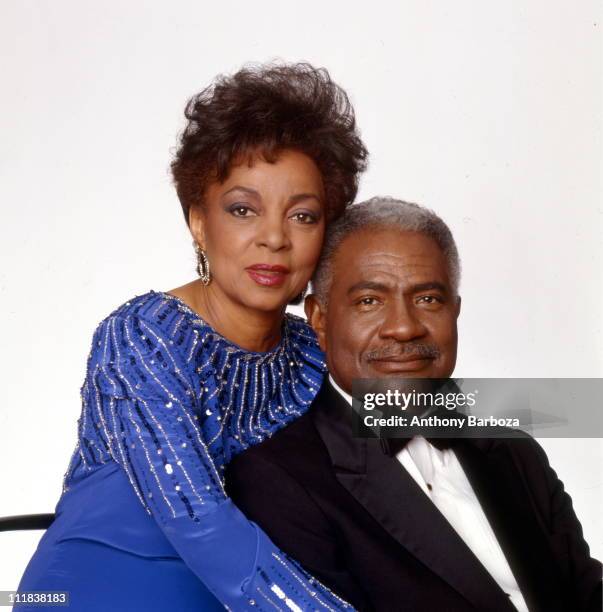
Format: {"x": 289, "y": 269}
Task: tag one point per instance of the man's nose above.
{"x": 401, "y": 323}
{"x": 273, "y": 233}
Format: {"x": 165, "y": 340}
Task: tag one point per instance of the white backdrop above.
{"x": 488, "y": 112}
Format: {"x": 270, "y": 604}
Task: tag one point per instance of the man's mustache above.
{"x": 420, "y": 350}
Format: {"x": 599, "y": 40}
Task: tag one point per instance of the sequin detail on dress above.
{"x": 171, "y": 401}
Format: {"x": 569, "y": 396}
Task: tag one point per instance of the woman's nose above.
{"x": 273, "y": 234}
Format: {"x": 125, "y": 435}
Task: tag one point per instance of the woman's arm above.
{"x": 281, "y": 505}
{"x": 140, "y": 388}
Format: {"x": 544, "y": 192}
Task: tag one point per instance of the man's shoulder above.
{"x": 519, "y": 443}
{"x": 526, "y": 454}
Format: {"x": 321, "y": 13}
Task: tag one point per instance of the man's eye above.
{"x": 240, "y": 210}
{"x": 304, "y": 217}
{"x": 367, "y": 301}
{"x": 429, "y": 299}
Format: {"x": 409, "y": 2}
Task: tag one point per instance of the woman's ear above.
{"x": 196, "y": 224}
{"x": 316, "y": 314}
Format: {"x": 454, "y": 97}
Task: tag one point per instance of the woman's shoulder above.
{"x": 141, "y": 348}
{"x": 173, "y": 318}
{"x": 149, "y": 322}
{"x": 152, "y": 306}
{"x": 159, "y": 327}
{"x": 156, "y": 308}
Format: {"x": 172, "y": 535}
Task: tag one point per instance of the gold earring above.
{"x": 202, "y": 265}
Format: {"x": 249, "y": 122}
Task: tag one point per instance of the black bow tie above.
{"x": 392, "y": 446}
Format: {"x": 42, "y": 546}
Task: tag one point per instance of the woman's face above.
{"x": 262, "y": 230}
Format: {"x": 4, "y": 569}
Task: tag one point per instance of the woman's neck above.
{"x": 251, "y": 329}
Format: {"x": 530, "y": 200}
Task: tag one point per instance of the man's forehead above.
{"x": 386, "y": 241}
{"x": 394, "y": 256}
{"x": 384, "y": 258}
{"x": 394, "y": 274}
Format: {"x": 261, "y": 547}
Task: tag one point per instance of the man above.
{"x": 480, "y": 525}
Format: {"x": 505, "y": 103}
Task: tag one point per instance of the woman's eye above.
{"x": 304, "y": 217}
{"x": 240, "y": 210}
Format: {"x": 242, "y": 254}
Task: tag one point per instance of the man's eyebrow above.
{"x": 368, "y": 285}
{"x": 376, "y": 286}
{"x": 247, "y": 190}
{"x": 428, "y": 286}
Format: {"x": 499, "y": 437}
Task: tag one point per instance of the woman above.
{"x": 179, "y": 382}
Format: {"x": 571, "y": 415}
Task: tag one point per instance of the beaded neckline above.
{"x": 247, "y": 396}
{"x": 231, "y": 346}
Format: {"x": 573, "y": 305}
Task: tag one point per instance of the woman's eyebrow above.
{"x": 247, "y": 190}
{"x": 299, "y": 197}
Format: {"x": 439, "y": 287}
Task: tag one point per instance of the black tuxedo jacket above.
{"x": 356, "y": 520}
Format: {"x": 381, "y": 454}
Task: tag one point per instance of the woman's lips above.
{"x": 267, "y": 275}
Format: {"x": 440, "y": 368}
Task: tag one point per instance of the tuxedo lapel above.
{"x": 387, "y": 492}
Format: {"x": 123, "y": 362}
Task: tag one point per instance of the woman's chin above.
{"x": 267, "y": 301}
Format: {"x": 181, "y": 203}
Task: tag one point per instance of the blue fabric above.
{"x": 101, "y": 578}
{"x": 166, "y": 403}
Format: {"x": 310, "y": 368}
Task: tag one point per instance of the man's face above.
{"x": 391, "y": 309}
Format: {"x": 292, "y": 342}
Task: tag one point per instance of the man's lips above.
{"x": 267, "y": 275}
{"x": 406, "y": 363}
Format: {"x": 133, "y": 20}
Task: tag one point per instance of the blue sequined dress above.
{"x": 143, "y": 522}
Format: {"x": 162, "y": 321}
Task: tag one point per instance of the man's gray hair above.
{"x": 384, "y": 212}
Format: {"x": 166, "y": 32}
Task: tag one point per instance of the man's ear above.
{"x": 458, "y": 306}
{"x": 196, "y": 224}
{"x": 317, "y": 317}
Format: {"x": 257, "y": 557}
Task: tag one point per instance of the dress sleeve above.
{"x": 139, "y": 386}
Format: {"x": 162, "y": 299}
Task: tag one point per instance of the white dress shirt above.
{"x": 442, "y": 478}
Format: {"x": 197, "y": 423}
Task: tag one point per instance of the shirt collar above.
{"x": 418, "y": 442}
{"x": 346, "y": 396}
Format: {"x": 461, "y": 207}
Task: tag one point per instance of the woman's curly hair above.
{"x": 265, "y": 109}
